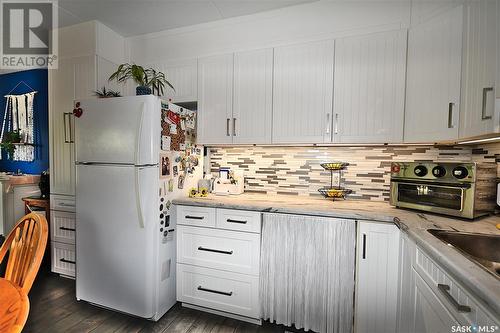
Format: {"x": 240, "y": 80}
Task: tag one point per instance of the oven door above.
{"x": 434, "y": 197}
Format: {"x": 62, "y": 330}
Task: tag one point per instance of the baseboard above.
{"x": 224, "y": 314}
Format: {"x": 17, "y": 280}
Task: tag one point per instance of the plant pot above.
{"x": 142, "y": 90}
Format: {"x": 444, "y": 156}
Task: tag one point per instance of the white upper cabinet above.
{"x": 369, "y": 88}
{"x": 433, "y": 78}
{"x": 73, "y": 79}
{"x": 84, "y": 67}
{"x": 215, "y": 102}
{"x": 252, "y": 111}
{"x": 377, "y": 277}
{"x": 302, "y": 93}
{"x": 183, "y": 75}
{"x": 480, "y": 60}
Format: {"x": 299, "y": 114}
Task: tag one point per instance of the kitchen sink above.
{"x": 480, "y": 248}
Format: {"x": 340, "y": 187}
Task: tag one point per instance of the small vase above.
{"x": 142, "y": 90}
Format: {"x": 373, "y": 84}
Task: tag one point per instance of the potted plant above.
{"x": 106, "y": 93}
{"x": 149, "y": 80}
{"x": 9, "y": 140}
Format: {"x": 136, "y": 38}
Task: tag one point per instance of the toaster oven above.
{"x": 466, "y": 190}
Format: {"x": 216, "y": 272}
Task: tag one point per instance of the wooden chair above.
{"x": 27, "y": 242}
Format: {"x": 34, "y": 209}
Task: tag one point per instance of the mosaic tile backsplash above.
{"x": 297, "y": 170}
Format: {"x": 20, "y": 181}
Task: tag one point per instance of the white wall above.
{"x": 313, "y": 21}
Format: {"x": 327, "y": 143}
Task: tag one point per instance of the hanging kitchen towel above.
{"x": 307, "y": 272}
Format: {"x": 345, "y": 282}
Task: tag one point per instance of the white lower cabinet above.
{"x": 221, "y": 290}
{"x": 226, "y": 250}
{"x": 431, "y": 301}
{"x": 218, "y": 256}
{"x": 63, "y": 258}
{"x": 62, "y": 242}
{"x": 431, "y": 316}
{"x": 377, "y": 277}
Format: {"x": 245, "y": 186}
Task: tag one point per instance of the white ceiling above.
{"x": 136, "y": 17}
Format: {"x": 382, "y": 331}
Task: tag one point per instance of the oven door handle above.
{"x": 430, "y": 183}
{"x": 462, "y": 190}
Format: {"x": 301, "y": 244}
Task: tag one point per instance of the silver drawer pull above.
{"x": 201, "y": 248}
{"x": 67, "y": 229}
{"x": 445, "y": 290}
{"x": 236, "y": 221}
{"x": 194, "y": 217}
{"x": 225, "y": 293}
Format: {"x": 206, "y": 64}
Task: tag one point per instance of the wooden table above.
{"x": 38, "y": 203}
{"x": 14, "y": 307}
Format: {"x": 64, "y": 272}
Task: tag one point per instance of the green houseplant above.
{"x": 149, "y": 80}
{"x": 106, "y": 93}
{"x": 9, "y": 140}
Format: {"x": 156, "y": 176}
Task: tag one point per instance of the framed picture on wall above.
{"x": 165, "y": 166}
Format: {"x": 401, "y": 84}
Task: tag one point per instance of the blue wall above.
{"x": 37, "y": 79}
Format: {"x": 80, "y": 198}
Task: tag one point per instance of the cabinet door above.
{"x": 183, "y": 75}
{"x": 74, "y": 79}
{"x": 369, "y": 88}
{"x": 433, "y": 78}
{"x": 431, "y": 316}
{"x": 480, "y": 56}
{"x": 63, "y": 227}
{"x": 252, "y": 113}
{"x": 377, "y": 277}
{"x": 215, "y": 92}
{"x": 406, "y": 311}
{"x": 302, "y": 93}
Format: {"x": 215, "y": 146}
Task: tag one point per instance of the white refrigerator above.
{"x": 125, "y": 248}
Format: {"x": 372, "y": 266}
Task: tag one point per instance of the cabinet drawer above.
{"x": 62, "y": 227}
{"x": 198, "y": 216}
{"x": 224, "y": 291}
{"x": 63, "y": 258}
{"x": 242, "y": 220}
{"x": 63, "y": 203}
{"x": 220, "y": 249}
{"x": 449, "y": 291}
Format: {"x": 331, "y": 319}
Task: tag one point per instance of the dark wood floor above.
{"x": 53, "y": 308}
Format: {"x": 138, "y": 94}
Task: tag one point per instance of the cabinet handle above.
{"x": 201, "y": 248}
{"x": 445, "y": 290}
{"x": 65, "y": 128}
{"x": 450, "y": 115}
{"x": 67, "y": 229}
{"x": 328, "y": 123}
{"x": 336, "y": 130}
{"x": 234, "y": 126}
{"x": 194, "y": 217}
{"x": 67, "y": 261}
{"x": 225, "y": 293}
{"x": 364, "y": 246}
{"x": 71, "y": 125}
{"x": 227, "y": 127}
{"x": 236, "y": 221}
{"x": 485, "y": 99}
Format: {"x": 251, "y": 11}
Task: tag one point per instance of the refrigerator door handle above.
{"x": 137, "y": 153}
{"x": 138, "y": 198}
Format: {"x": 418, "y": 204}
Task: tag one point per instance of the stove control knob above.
{"x": 460, "y": 172}
{"x": 420, "y": 171}
{"x": 438, "y": 171}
